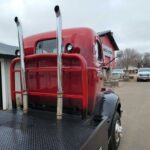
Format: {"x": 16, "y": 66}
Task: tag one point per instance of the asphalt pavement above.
{"x": 135, "y": 97}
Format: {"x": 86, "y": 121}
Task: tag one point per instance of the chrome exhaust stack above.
{"x": 59, "y": 63}
{"x": 23, "y": 75}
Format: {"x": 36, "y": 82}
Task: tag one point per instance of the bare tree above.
{"x": 146, "y": 60}
{"x": 130, "y": 57}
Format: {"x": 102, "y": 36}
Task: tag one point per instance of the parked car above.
{"x": 143, "y": 74}
{"x": 118, "y": 73}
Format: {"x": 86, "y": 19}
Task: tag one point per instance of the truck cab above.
{"x": 62, "y": 71}
{"x": 82, "y": 68}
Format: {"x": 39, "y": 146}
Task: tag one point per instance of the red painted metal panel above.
{"x": 82, "y": 38}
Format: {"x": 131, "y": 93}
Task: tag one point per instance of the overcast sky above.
{"x": 129, "y": 20}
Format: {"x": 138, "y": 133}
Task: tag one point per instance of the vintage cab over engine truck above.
{"x": 63, "y": 72}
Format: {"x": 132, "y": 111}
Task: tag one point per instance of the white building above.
{"x": 7, "y": 53}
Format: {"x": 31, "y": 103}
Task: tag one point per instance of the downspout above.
{"x": 23, "y": 75}
{"x": 59, "y": 63}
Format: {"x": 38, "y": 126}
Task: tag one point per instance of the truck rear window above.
{"x": 47, "y": 46}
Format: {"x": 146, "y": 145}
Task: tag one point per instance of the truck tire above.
{"x": 116, "y": 131}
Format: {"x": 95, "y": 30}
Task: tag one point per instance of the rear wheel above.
{"x": 116, "y": 132}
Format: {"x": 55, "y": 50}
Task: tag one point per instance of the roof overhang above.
{"x": 111, "y": 38}
{"x": 7, "y": 56}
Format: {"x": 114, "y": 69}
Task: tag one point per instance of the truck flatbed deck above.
{"x": 39, "y": 130}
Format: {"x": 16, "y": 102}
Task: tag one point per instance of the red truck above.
{"x": 62, "y": 72}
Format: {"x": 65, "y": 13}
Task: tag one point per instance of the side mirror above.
{"x": 17, "y": 52}
{"x": 119, "y": 54}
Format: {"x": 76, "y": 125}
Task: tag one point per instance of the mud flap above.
{"x": 99, "y": 138}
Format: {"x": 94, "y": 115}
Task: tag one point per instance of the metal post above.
{"x": 59, "y": 64}
{"x": 23, "y": 76}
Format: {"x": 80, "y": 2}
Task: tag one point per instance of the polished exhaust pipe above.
{"x": 59, "y": 63}
{"x": 23, "y": 75}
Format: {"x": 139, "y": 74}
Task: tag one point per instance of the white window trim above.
{"x": 4, "y": 93}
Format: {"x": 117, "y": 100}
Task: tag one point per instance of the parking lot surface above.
{"x": 135, "y": 97}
